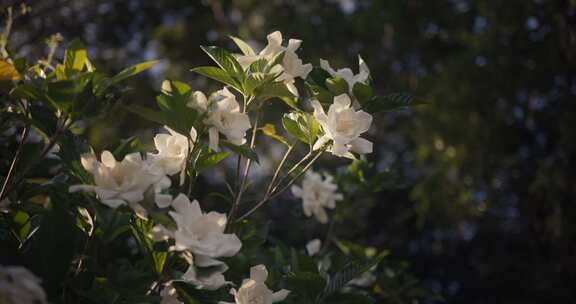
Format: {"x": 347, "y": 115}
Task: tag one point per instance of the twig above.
{"x": 15, "y": 160}
{"x": 275, "y": 193}
{"x": 242, "y": 189}
{"x": 51, "y": 142}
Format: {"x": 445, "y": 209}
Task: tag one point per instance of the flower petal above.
{"x": 361, "y": 145}
{"x": 280, "y": 295}
{"x": 108, "y": 159}
{"x": 259, "y": 273}
{"x": 213, "y": 139}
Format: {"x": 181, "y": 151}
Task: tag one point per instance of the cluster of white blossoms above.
{"x": 346, "y": 73}
{"x": 118, "y": 183}
{"x": 202, "y": 235}
{"x": 20, "y": 286}
{"x": 173, "y": 149}
{"x": 291, "y": 66}
{"x": 223, "y": 115}
{"x": 342, "y": 126}
{"x": 255, "y": 291}
{"x": 316, "y": 194}
{"x": 198, "y": 236}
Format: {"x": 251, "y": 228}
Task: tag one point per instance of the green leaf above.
{"x": 321, "y": 94}
{"x": 175, "y": 88}
{"x": 349, "y": 272}
{"x": 252, "y": 82}
{"x": 104, "y": 83}
{"x": 53, "y": 245}
{"x": 337, "y": 86}
{"x": 258, "y": 65}
{"x": 292, "y": 126}
{"x": 131, "y": 71}
{"x": 209, "y": 160}
{"x": 362, "y": 92}
{"x": 277, "y": 90}
{"x": 243, "y": 150}
{"x": 243, "y": 46}
{"x": 277, "y": 59}
{"x": 152, "y": 115}
{"x": 270, "y": 131}
{"x": 225, "y": 60}
{"x": 63, "y": 94}
{"x": 392, "y": 102}
{"x": 306, "y": 284}
{"x": 318, "y": 77}
{"x": 27, "y": 91}
{"x": 217, "y": 74}
{"x": 76, "y": 56}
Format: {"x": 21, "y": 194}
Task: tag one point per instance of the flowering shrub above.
{"x": 123, "y": 226}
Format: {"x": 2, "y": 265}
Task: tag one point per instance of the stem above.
{"x": 51, "y": 142}
{"x": 24, "y": 136}
{"x": 329, "y": 232}
{"x": 279, "y": 168}
{"x": 292, "y": 170}
{"x": 275, "y": 193}
{"x": 242, "y": 187}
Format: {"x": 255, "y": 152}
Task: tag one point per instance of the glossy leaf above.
{"x": 243, "y": 150}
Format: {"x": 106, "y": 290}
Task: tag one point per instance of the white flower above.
{"x": 209, "y": 278}
{"x": 20, "y": 286}
{"x": 291, "y": 66}
{"x": 255, "y": 291}
{"x": 120, "y": 183}
{"x": 172, "y": 149}
{"x": 223, "y": 116}
{"x": 202, "y": 233}
{"x": 346, "y": 73}
{"x": 169, "y": 295}
{"x": 367, "y": 279}
{"x": 313, "y": 247}
{"x": 317, "y": 194}
{"x": 343, "y": 126}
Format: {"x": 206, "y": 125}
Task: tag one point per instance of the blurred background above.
{"x": 477, "y": 191}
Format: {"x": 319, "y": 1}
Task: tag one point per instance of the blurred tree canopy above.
{"x": 482, "y": 203}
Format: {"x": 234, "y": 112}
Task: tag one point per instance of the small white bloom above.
{"x": 343, "y": 126}
{"x": 367, "y": 279}
{"x": 313, "y": 247}
{"x": 202, "y": 233}
{"x": 169, "y": 295}
{"x": 346, "y": 73}
{"x": 209, "y": 278}
{"x": 121, "y": 183}
{"x": 172, "y": 149}
{"x": 255, "y": 291}
{"x": 291, "y": 67}
{"x": 223, "y": 116}
{"x": 317, "y": 194}
{"x": 20, "y": 286}
{"x": 5, "y": 205}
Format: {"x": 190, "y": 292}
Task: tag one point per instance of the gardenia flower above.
{"x": 172, "y": 149}
{"x": 255, "y": 291}
{"x": 20, "y": 286}
{"x": 313, "y": 247}
{"x": 120, "y": 183}
{"x": 343, "y": 126}
{"x": 317, "y": 194}
{"x": 291, "y": 66}
{"x": 346, "y": 73}
{"x": 223, "y": 116}
{"x": 202, "y": 233}
{"x": 209, "y": 279}
{"x": 169, "y": 295}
